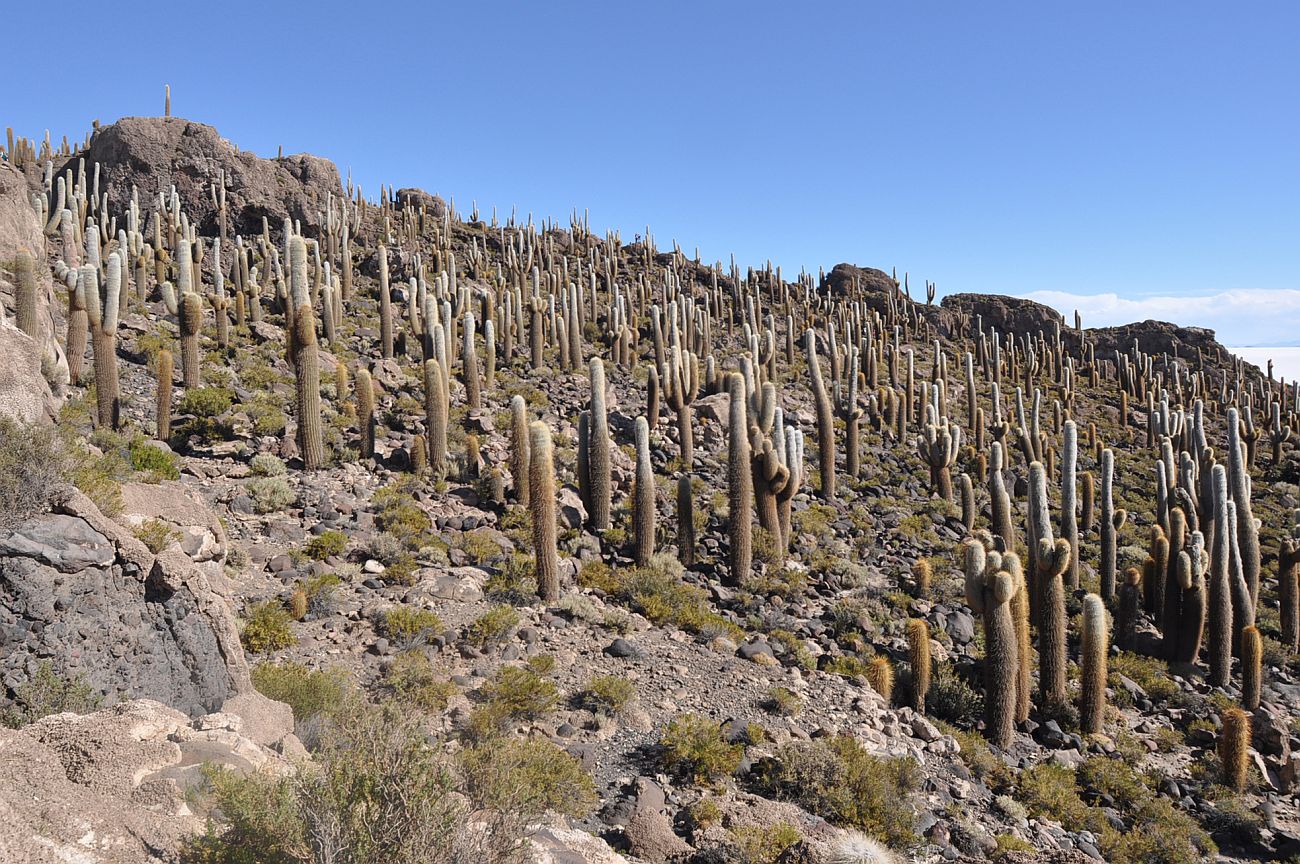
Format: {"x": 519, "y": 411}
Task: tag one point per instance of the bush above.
{"x": 268, "y": 465}
{"x": 320, "y": 593}
{"x": 784, "y": 701}
{"x": 206, "y": 402}
{"x": 397, "y": 513}
{"x": 310, "y": 693}
{"x": 766, "y": 844}
{"x": 837, "y": 779}
{"x": 154, "y": 462}
{"x": 518, "y": 692}
{"x": 952, "y": 699}
{"x": 47, "y": 692}
{"x": 492, "y": 627}
{"x": 411, "y": 679}
{"x": 326, "y": 544}
{"x": 514, "y": 582}
{"x": 527, "y": 777}
{"x": 478, "y": 546}
{"x": 156, "y": 535}
{"x": 607, "y": 694}
{"x": 31, "y": 472}
{"x": 270, "y": 494}
{"x": 267, "y": 628}
{"x": 693, "y": 747}
{"x": 409, "y": 627}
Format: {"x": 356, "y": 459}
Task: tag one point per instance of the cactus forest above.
{"x": 494, "y": 538}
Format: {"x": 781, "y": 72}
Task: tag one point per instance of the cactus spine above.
{"x": 541, "y": 483}
{"x": 918, "y": 651}
{"x": 740, "y": 489}
{"x": 365, "y": 411}
{"x": 1092, "y": 697}
{"x": 644, "y": 500}
{"x": 825, "y": 418}
{"x": 1234, "y": 748}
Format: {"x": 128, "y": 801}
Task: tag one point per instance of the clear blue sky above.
{"x": 1140, "y": 149}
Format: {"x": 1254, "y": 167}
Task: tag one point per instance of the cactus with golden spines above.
{"x": 918, "y": 654}
{"x": 880, "y": 676}
{"x": 967, "y": 495}
{"x": 1234, "y": 748}
{"x": 541, "y": 509}
{"x": 740, "y": 485}
{"x": 25, "y": 315}
{"x": 365, "y": 410}
{"x": 922, "y": 576}
{"x": 643, "y": 515}
{"x": 1252, "y": 656}
{"x": 419, "y": 454}
{"x": 1095, "y": 647}
{"x": 436, "y": 412}
{"x": 825, "y": 418}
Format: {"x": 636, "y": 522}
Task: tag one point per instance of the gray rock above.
{"x": 65, "y": 543}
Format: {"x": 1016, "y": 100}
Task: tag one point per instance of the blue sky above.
{"x": 1139, "y": 154}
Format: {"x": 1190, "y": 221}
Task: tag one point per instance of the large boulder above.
{"x": 80, "y": 588}
{"x": 153, "y": 153}
{"x": 1010, "y": 315}
{"x": 416, "y": 198}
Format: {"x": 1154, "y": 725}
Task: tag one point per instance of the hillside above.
{"x": 582, "y": 549}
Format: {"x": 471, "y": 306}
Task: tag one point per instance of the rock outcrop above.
{"x": 154, "y": 153}
{"x": 1010, "y": 315}
{"x": 77, "y": 587}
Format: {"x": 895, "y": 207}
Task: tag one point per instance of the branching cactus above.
{"x": 365, "y": 411}
{"x": 938, "y": 446}
{"x": 681, "y": 386}
{"x": 644, "y": 497}
{"x": 519, "y": 448}
{"x": 1247, "y": 529}
{"x": 740, "y": 488}
{"x": 825, "y": 418}
{"x": 1092, "y": 694}
{"x": 541, "y": 507}
{"x": 191, "y": 321}
{"x": 598, "y": 447}
{"x": 990, "y": 585}
{"x": 1053, "y": 561}
{"x": 918, "y": 652}
{"x": 1278, "y": 434}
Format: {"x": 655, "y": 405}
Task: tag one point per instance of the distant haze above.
{"x": 1286, "y": 361}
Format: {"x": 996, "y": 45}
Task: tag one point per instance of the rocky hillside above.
{"x": 574, "y": 549}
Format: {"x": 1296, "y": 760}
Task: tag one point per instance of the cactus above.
{"x": 1053, "y": 560}
{"x": 1234, "y": 748}
{"x": 1088, "y": 512}
{"x": 1288, "y": 591}
{"x": 1278, "y": 434}
{"x": 164, "y": 408}
{"x": 1130, "y": 604}
{"x": 1112, "y": 520}
{"x": 385, "y": 306}
{"x": 918, "y": 652}
{"x": 191, "y": 315}
{"x": 1252, "y": 655}
{"x": 880, "y": 676}
{"x": 685, "y": 521}
{"x": 852, "y": 414}
{"x": 652, "y": 397}
{"x": 999, "y": 499}
{"x": 1069, "y": 492}
{"x": 1247, "y": 529}
{"x": 825, "y": 418}
{"x": 469, "y": 365}
{"x": 644, "y": 496}
{"x": 489, "y": 353}
{"x": 103, "y": 313}
{"x": 598, "y": 482}
{"x": 78, "y": 323}
{"x": 1220, "y": 600}
{"x": 1092, "y": 696}
{"x": 967, "y": 501}
{"x": 1171, "y": 608}
{"x": 365, "y": 411}
{"x": 435, "y": 414}
{"x": 681, "y": 386}
{"x": 25, "y": 295}
{"x": 740, "y": 489}
{"x": 1183, "y": 643}
{"x": 306, "y": 360}
{"x": 938, "y": 447}
{"x": 1153, "y": 577}
{"x": 541, "y": 508}
{"x": 519, "y": 448}
{"x": 921, "y": 577}
{"x": 419, "y": 454}
{"x": 991, "y": 582}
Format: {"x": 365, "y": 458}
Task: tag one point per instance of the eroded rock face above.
{"x": 77, "y": 586}
{"x": 1010, "y": 315}
{"x": 152, "y": 153}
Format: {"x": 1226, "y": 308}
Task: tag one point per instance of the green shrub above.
{"x": 514, "y": 582}
{"x": 267, "y": 628}
{"x": 519, "y": 692}
{"x": 206, "y": 402}
{"x": 48, "y": 692}
{"x": 784, "y": 701}
{"x": 154, "y": 462}
{"x": 397, "y": 513}
{"x": 270, "y": 494}
{"x": 409, "y": 627}
{"x": 607, "y": 694}
{"x": 478, "y": 546}
{"x": 156, "y": 535}
{"x": 837, "y": 779}
{"x": 530, "y": 776}
{"x": 693, "y": 747}
{"x": 411, "y": 679}
{"x": 1150, "y": 674}
{"x": 320, "y": 593}
{"x": 326, "y": 544}
{"x": 765, "y": 844}
{"x": 310, "y": 693}
{"x": 31, "y": 472}
{"x": 492, "y": 627}
{"x": 952, "y": 699}
{"x": 268, "y": 465}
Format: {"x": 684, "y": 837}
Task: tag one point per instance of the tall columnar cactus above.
{"x": 918, "y": 652}
{"x": 1219, "y": 641}
{"x": 1278, "y": 434}
{"x": 489, "y": 353}
{"x": 1288, "y": 591}
{"x": 1087, "y": 513}
{"x": 163, "y": 412}
{"x": 740, "y": 488}
{"x": 1129, "y": 607}
{"x": 644, "y": 499}
{"x": 1169, "y": 612}
{"x": 365, "y": 411}
{"x": 1092, "y": 696}
{"x": 469, "y": 365}
{"x": 1112, "y": 520}
{"x": 1247, "y": 530}
{"x": 191, "y": 321}
{"x": 103, "y": 311}
{"x": 681, "y": 386}
{"x": 1153, "y": 587}
{"x": 938, "y": 446}
{"x": 519, "y": 448}
{"x": 1000, "y": 500}
{"x": 1183, "y": 642}
{"x": 385, "y": 306}
{"x": 685, "y": 521}
{"x": 598, "y": 445}
{"x": 825, "y": 418}
{"x": 852, "y": 414}
{"x": 1252, "y": 655}
{"x": 1053, "y": 560}
{"x": 1234, "y": 748}
{"x": 1069, "y": 493}
{"x": 968, "y": 507}
{"x": 78, "y": 322}
{"x": 435, "y": 416}
{"x": 25, "y": 295}
{"x": 541, "y": 507}
{"x": 990, "y": 586}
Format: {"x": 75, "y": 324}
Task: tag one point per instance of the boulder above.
{"x": 553, "y": 844}
{"x": 201, "y": 536}
{"x": 416, "y": 198}
{"x": 79, "y": 587}
{"x": 154, "y": 153}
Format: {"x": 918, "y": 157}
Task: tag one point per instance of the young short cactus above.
{"x": 921, "y": 577}
{"x": 541, "y": 507}
{"x": 163, "y": 410}
{"x": 519, "y": 448}
{"x": 644, "y": 497}
{"x": 1234, "y": 748}
{"x": 740, "y": 484}
{"x": 1092, "y": 696}
{"x": 880, "y": 676}
{"x": 918, "y": 653}
{"x": 365, "y": 411}
{"x": 1252, "y": 656}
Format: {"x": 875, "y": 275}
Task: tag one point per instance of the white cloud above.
{"x": 1239, "y": 317}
